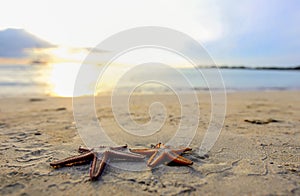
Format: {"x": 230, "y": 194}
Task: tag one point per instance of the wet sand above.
{"x": 257, "y": 152}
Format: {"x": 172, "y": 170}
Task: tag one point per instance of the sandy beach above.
{"x": 257, "y": 152}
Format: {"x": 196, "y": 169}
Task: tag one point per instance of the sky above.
{"x": 249, "y": 32}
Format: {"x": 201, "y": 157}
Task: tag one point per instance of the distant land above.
{"x": 297, "y": 68}
{"x": 14, "y": 43}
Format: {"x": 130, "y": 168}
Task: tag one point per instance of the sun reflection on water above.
{"x": 101, "y": 78}
{"x": 63, "y": 70}
{"x": 62, "y": 79}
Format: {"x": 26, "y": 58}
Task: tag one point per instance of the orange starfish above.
{"x": 98, "y": 157}
{"x": 164, "y": 154}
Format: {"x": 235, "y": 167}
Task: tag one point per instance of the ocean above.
{"x": 34, "y": 80}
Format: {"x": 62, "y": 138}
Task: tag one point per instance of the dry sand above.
{"x": 253, "y": 155}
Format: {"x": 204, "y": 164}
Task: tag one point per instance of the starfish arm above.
{"x": 97, "y": 166}
{"x": 74, "y": 160}
{"x": 119, "y": 147}
{"x": 146, "y": 151}
{"x": 156, "y": 159}
{"x": 83, "y": 149}
{"x": 176, "y": 158}
{"x": 125, "y": 155}
{"x": 182, "y": 150}
{"x": 159, "y": 145}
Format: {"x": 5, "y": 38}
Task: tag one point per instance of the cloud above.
{"x": 87, "y": 23}
{"x": 233, "y": 31}
{"x": 17, "y": 43}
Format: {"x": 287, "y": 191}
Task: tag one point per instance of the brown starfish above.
{"x": 164, "y": 154}
{"x": 99, "y": 157}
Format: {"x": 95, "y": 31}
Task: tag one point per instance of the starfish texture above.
{"x": 161, "y": 153}
{"x": 98, "y": 157}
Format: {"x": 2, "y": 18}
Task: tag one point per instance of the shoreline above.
{"x": 197, "y": 92}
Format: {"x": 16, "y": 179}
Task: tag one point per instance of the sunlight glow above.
{"x": 86, "y": 23}
{"x": 62, "y": 54}
{"x": 62, "y": 79}
{"x": 63, "y": 75}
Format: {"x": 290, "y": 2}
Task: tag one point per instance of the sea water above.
{"x": 29, "y": 80}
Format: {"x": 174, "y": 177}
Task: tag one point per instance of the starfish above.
{"x": 98, "y": 157}
{"x": 161, "y": 153}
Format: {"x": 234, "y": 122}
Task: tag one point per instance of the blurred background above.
{"x": 43, "y": 43}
